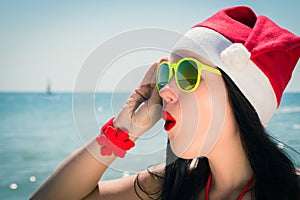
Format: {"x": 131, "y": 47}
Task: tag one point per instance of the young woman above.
{"x": 221, "y": 86}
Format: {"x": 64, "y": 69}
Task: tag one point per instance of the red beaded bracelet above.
{"x": 114, "y": 140}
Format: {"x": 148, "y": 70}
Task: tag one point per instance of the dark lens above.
{"x": 163, "y": 76}
{"x": 187, "y": 74}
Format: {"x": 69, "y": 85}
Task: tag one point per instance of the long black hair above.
{"x": 274, "y": 173}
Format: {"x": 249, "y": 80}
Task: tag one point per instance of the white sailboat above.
{"x": 48, "y": 89}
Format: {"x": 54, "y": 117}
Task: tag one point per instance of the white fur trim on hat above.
{"x": 236, "y": 56}
{"x": 234, "y": 60}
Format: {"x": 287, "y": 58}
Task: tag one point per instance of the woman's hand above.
{"x": 141, "y": 111}
{"x": 143, "y": 107}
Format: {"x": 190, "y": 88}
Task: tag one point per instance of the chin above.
{"x": 183, "y": 152}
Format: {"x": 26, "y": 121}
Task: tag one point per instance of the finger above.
{"x": 139, "y": 95}
{"x": 143, "y": 94}
{"x": 154, "y": 105}
{"x": 150, "y": 74}
{"x": 165, "y": 59}
{"x": 145, "y": 90}
{"x": 155, "y": 97}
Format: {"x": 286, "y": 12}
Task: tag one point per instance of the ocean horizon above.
{"x": 38, "y": 131}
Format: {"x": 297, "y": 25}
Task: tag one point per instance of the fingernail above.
{"x": 163, "y": 59}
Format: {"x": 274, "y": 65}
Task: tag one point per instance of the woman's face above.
{"x": 202, "y": 116}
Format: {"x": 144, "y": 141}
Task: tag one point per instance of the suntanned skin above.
{"x": 78, "y": 176}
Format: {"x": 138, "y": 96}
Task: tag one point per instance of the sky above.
{"x": 50, "y": 41}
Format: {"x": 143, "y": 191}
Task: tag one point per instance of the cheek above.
{"x": 194, "y": 123}
{"x": 203, "y": 118}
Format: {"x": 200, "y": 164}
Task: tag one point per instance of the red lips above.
{"x": 170, "y": 121}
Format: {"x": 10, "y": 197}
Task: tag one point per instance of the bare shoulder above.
{"x": 297, "y": 171}
{"x": 134, "y": 187}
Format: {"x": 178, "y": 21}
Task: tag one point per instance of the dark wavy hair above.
{"x": 274, "y": 173}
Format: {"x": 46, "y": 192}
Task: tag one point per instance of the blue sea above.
{"x": 38, "y": 131}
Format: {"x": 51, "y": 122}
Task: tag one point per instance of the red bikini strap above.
{"x": 246, "y": 188}
{"x": 207, "y": 188}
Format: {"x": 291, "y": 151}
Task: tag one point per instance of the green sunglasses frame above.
{"x": 175, "y": 66}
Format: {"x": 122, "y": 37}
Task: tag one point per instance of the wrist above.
{"x": 117, "y": 123}
{"x": 113, "y": 140}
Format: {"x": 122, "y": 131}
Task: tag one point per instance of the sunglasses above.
{"x": 187, "y": 73}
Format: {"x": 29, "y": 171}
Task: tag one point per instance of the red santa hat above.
{"x": 258, "y": 55}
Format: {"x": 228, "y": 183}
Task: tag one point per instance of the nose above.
{"x": 169, "y": 93}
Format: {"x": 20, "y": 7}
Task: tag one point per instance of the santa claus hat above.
{"x": 258, "y": 55}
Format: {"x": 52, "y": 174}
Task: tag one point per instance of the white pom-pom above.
{"x": 236, "y": 56}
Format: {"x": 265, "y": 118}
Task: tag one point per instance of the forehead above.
{"x": 179, "y": 54}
